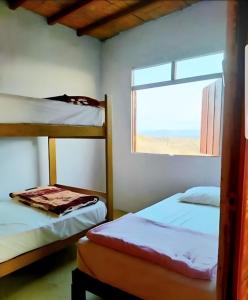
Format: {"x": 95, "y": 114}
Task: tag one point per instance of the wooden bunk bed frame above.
{"x": 63, "y": 131}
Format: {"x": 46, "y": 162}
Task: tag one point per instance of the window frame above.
{"x": 173, "y": 81}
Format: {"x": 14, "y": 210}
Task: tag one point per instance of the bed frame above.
{"x": 63, "y": 131}
{"x": 82, "y": 282}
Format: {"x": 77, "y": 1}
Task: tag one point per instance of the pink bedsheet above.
{"x": 187, "y": 252}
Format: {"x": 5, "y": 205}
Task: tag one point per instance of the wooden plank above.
{"x": 67, "y": 11}
{"x": 59, "y": 131}
{"x": 84, "y": 30}
{"x": 242, "y": 282}
{"x": 210, "y": 131}
{"x": 204, "y": 122}
{"x": 47, "y": 8}
{"x": 14, "y": 4}
{"x": 109, "y": 159}
{"x": 52, "y": 161}
{"x": 211, "y": 119}
{"x": 83, "y": 191}
{"x": 217, "y": 117}
{"x": 94, "y": 11}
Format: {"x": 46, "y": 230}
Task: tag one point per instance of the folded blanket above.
{"x": 54, "y": 199}
{"x": 77, "y": 100}
{"x": 187, "y": 252}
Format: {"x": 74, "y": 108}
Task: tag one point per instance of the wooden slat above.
{"x": 95, "y": 10}
{"x": 67, "y": 11}
{"x": 218, "y": 117}
{"x": 83, "y": 191}
{"x": 211, "y": 119}
{"x": 52, "y": 161}
{"x": 242, "y": 288}
{"x": 14, "y": 4}
{"x": 109, "y": 159}
{"x": 204, "y": 122}
{"x": 210, "y": 132}
{"x": 60, "y": 131}
{"x": 160, "y": 8}
{"x": 47, "y": 8}
{"x": 108, "y": 19}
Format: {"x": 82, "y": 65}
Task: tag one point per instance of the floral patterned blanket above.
{"x": 54, "y": 199}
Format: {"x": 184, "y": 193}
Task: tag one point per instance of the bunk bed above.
{"x": 113, "y": 274}
{"x": 52, "y": 132}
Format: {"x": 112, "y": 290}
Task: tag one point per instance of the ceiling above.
{"x": 102, "y": 19}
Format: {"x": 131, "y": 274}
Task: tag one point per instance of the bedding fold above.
{"x": 184, "y": 251}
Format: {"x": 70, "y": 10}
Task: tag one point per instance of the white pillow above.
{"x": 207, "y": 195}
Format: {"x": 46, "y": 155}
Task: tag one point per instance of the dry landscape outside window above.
{"x": 177, "y": 107}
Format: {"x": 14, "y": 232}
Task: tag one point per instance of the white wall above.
{"x": 141, "y": 179}
{"x": 39, "y": 60}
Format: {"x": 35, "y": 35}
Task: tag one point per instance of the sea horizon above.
{"x": 170, "y": 133}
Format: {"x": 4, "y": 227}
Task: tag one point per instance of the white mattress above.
{"x": 19, "y": 109}
{"x": 144, "y": 279}
{"x": 24, "y": 228}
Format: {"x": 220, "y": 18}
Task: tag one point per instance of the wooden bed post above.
{"x": 52, "y": 161}
{"x": 108, "y": 158}
{"x": 232, "y": 283}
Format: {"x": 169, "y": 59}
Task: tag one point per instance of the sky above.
{"x": 174, "y": 107}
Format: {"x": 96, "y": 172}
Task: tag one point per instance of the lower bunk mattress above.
{"x": 142, "y": 278}
{"x": 23, "y": 228}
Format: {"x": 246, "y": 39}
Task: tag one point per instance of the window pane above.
{"x": 168, "y": 119}
{"x": 152, "y": 74}
{"x": 203, "y": 65}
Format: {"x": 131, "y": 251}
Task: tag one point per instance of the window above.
{"x": 152, "y": 74}
{"x": 177, "y": 107}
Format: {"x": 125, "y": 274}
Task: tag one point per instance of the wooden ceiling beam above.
{"x": 14, "y": 4}
{"x": 67, "y": 11}
{"x": 84, "y": 30}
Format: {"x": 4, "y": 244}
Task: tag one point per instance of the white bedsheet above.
{"x": 202, "y": 218}
{"x": 142, "y": 278}
{"x": 19, "y": 109}
{"x": 23, "y": 228}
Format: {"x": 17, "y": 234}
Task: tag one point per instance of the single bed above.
{"x": 28, "y": 110}
{"x": 141, "y": 278}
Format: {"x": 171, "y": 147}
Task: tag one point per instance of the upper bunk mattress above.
{"x": 24, "y": 228}
{"x": 19, "y": 109}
